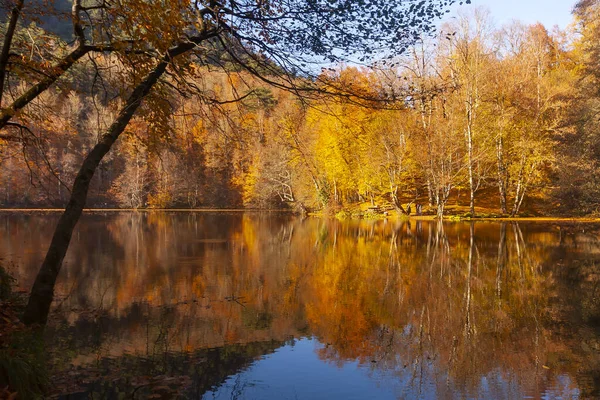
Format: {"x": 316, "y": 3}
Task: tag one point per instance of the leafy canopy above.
{"x": 294, "y": 34}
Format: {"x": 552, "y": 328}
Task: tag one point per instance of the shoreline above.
{"x": 95, "y": 210}
{"x": 448, "y": 218}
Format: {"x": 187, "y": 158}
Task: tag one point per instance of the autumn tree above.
{"x": 467, "y": 57}
{"x": 578, "y": 187}
{"x": 275, "y": 41}
{"x": 436, "y": 129}
{"x": 527, "y": 105}
{"x": 394, "y": 156}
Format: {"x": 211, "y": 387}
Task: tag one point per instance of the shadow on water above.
{"x": 176, "y": 304}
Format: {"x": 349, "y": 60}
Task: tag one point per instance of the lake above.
{"x": 270, "y": 306}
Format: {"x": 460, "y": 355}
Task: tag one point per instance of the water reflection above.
{"x": 424, "y": 309}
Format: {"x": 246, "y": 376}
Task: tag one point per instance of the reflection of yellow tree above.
{"x": 453, "y": 305}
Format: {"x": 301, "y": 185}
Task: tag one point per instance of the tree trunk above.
{"x": 440, "y": 210}
{"x": 395, "y": 201}
{"x": 8, "y": 37}
{"x": 519, "y": 199}
{"x": 470, "y": 166}
{"x": 335, "y": 193}
{"x": 501, "y": 174}
{"x": 430, "y": 193}
{"x": 42, "y": 292}
{"x": 520, "y": 190}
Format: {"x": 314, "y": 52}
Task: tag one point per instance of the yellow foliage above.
{"x": 159, "y": 200}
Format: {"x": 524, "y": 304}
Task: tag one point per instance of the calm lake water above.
{"x": 268, "y": 306}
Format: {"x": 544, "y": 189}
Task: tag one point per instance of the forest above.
{"x": 486, "y": 121}
{"x": 369, "y": 111}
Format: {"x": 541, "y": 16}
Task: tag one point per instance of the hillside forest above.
{"x": 500, "y": 120}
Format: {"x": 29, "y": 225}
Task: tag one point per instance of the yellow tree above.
{"x": 392, "y": 152}
{"x": 529, "y": 106}
{"x": 467, "y": 57}
{"x": 578, "y": 181}
{"x": 436, "y": 127}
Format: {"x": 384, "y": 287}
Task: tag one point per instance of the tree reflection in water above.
{"x": 463, "y": 309}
